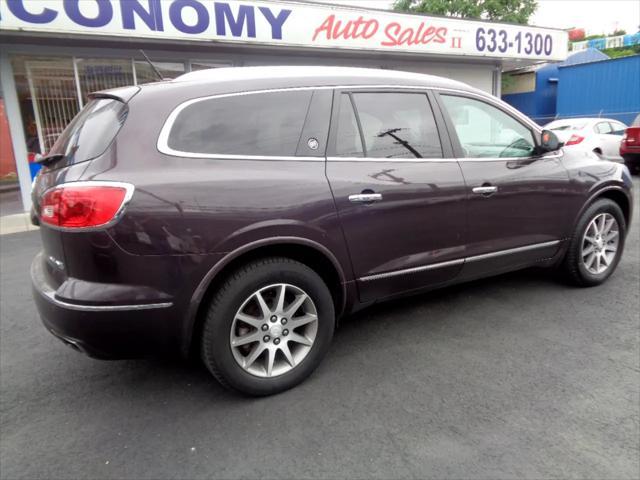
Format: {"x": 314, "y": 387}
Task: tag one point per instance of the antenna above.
{"x": 153, "y": 67}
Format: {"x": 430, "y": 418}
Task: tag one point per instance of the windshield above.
{"x": 90, "y": 132}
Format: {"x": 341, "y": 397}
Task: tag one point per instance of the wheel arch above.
{"x": 308, "y": 252}
{"x": 616, "y": 194}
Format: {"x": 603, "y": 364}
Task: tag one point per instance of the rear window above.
{"x": 266, "y": 124}
{"x": 566, "y": 126}
{"x": 90, "y": 132}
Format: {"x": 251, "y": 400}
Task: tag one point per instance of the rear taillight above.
{"x": 79, "y": 205}
{"x": 632, "y": 136}
{"x": 574, "y": 140}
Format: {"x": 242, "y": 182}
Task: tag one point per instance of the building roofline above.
{"x": 415, "y": 14}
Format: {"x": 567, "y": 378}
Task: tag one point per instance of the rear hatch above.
{"x": 88, "y": 137}
{"x": 631, "y": 139}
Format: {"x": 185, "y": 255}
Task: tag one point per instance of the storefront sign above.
{"x": 283, "y": 23}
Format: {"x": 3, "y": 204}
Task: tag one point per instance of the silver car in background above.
{"x": 599, "y": 135}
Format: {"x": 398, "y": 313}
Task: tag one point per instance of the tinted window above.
{"x": 348, "y": 140}
{"x": 256, "y": 124}
{"x": 486, "y": 131}
{"x": 90, "y": 132}
{"x": 397, "y": 125}
{"x": 603, "y": 127}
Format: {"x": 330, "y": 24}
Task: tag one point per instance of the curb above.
{"x": 9, "y": 188}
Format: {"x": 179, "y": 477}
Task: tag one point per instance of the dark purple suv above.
{"x": 239, "y": 213}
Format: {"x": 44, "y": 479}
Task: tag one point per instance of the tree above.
{"x": 516, "y": 11}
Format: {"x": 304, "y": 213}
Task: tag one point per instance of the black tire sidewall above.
{"x": 585, "y": 277}
{"x": 240, "y": 286}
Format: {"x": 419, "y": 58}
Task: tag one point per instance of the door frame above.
{"x": 379, "y": 282}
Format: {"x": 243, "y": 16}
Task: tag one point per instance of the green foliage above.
{"x": 516, "y": 11}
{"x": 622, "y": 51}
{"x": 507, "y": 81}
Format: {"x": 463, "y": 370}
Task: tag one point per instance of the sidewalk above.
{"x": 18, "y": 222}
{"x": 12, "y": 217}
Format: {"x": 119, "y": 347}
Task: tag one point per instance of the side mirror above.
{"x": 549, "y": 142}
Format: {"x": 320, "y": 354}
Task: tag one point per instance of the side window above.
{"x": 397, "y": 125}
{"x": 348, "y": 140}
{"x": 254, "y": 124}
{"x": 603, "y": 127}
{"x": 617, "y": 128}
{"x": 486, "y": 131}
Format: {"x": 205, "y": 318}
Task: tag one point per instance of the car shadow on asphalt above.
{"x": 421, "y": 313}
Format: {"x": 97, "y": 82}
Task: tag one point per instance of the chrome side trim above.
{"x": 402, "y": 160}
{"x": 163, "y": 139}
{"x": 50, "y": 296}
{"x": 459, "y": 261}
{"x": 441, "y": 160}
{"x": 510, "y": 251}
{"x": 406, "y": 271}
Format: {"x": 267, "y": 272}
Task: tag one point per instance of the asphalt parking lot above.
{"x": 515, "y": 376}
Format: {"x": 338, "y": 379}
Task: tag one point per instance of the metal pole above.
{"x": 133, "y": 71}
{"x": 36, "y": 109}
{"x": 18, "y": 140}
{"x": 77, "y": 78}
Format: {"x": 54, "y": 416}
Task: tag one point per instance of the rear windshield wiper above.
{"x": 49, "y": 159}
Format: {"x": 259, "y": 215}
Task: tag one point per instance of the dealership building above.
{"x": 53, "y": 53}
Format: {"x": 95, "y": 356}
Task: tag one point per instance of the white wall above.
{"x": 479, "y": 76}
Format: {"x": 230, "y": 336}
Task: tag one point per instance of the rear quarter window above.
{"x": 90, "y": 132}
{"x": 256, "y": 124}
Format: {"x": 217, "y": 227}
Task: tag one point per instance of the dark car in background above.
{"x": 239, "y": 213}
{"x": 630, "y": 146}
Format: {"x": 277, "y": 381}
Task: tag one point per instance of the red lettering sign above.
{"x": 353, "y": 29}
{"x": 395, "y": 34}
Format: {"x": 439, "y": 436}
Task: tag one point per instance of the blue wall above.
{"x": 525, "y": 102}
{"x": 541, "y": 104}
{"x": 609, "y": 88}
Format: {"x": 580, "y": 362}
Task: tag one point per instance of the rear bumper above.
{"x": 103, "y": 331}
{"x": 631, "y": 157}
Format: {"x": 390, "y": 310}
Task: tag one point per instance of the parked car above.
{"x": 630, "y": 146}
{"x": 239, "y": 213}
{"x": 600, "y": 135}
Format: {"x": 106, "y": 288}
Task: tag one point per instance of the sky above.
{"x": 595, "y": 16}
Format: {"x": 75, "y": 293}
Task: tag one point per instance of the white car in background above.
{"x": 600, "y": 135}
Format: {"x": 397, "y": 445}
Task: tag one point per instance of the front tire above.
{"x": 268, "y": 326}
{"x": 597, "y": 244}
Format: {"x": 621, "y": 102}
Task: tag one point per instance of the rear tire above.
{"x": 596, "y": 245}
{"x": 633, "y": 164}
{"x": 257, "y": 344}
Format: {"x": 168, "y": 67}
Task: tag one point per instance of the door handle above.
{"x": 365, "y": 197}
{"x": 485, "y": 190}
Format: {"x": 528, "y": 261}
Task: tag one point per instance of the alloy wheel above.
{"x": 600, "y": 243}
{"x": 273, "y": 330}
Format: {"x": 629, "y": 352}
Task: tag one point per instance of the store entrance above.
{"x": 53, "y": 90}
